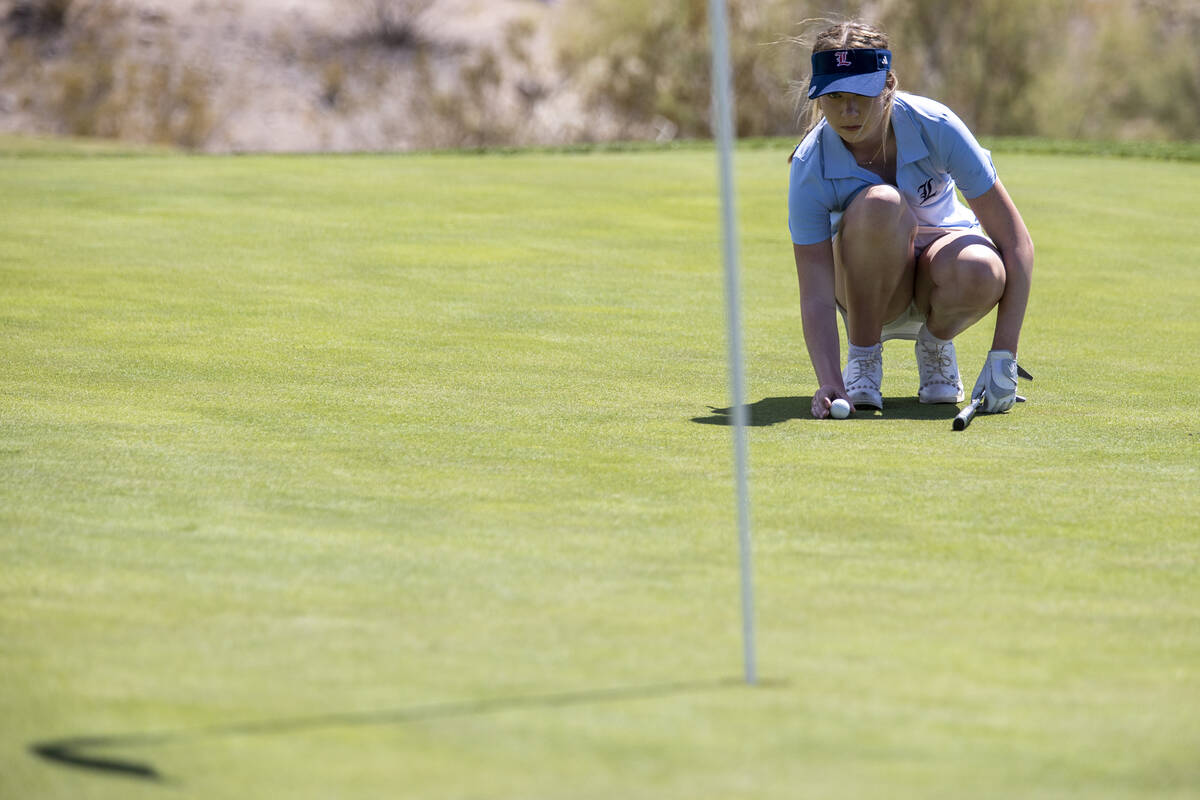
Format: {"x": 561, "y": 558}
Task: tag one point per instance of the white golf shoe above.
{"x": 938, "y": 366}
{"x": 863, "y": 376}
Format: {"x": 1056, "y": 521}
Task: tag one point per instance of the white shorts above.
{"x": 928, "y": 235}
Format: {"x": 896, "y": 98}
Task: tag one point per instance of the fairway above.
{"x": 411, "y": 476}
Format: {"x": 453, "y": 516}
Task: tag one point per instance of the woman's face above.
{"x": 854, "y": 117}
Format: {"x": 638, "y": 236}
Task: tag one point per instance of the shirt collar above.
{"x": 910, "y": 147}
{"x": 836, "y": 161}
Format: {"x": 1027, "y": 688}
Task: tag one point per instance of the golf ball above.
{"x": 840, "y": 409}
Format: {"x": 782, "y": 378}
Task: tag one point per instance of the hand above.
{"x": 824, "y": 398}
{"x": 999, "y": 380}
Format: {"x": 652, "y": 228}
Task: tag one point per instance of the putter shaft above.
{"x": 967, "y": 414}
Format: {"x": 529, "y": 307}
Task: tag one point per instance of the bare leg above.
{"x": 959, "y": 279}
{"x": 874, "y": 261}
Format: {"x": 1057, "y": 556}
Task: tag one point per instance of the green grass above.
{"x": 414, "y": 461}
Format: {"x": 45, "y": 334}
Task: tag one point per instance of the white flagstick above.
{"x": 723, "y": 120}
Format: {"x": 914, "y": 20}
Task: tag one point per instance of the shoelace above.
{"x": 937, "y": 358}
{"x": 863, "y": 369}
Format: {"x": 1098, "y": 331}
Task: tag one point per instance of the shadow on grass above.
{"x": 774, "y": 410}
{"x": 81, "y": 751}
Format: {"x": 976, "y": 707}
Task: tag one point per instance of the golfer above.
{"x": 881, "y": 237}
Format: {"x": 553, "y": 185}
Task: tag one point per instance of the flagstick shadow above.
{"x": 80, "y": 752}
{"x": 775, "y": 410}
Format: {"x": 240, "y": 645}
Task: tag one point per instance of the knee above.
{"x": 979, "y": 276}
{"x": 878, "y": 208}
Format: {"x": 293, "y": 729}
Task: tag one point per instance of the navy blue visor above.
{"x": 851, "y": 71}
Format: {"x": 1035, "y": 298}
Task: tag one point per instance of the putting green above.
{"x": 368, "y": 476}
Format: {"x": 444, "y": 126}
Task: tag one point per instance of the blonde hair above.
{"x": 850, "y": 35}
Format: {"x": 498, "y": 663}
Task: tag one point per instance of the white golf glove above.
{"x": 999, "y": 381}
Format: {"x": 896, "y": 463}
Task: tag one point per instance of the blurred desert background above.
{"x": 383, "y": 75}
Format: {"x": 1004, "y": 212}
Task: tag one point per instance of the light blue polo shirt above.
{"x": 935, "y": 152}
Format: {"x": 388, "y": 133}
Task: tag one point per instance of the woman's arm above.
{"x": 818, "y": 310}
{"x": 1007, "y": 230}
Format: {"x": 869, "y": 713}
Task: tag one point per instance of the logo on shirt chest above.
{"x": 925, "y": 190}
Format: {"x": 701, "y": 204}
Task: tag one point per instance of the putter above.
{"x": 967, "y": 414}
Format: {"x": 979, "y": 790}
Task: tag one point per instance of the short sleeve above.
{"x": 965, "y": 159}
{"x": 808, "y": 209}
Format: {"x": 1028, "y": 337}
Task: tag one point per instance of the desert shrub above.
{"x": 1061, "y": 68}
{"x": 98, "y": 83}
{"x": 37, "y": 17}
{"x": 982, "y": 58}
{"x": 1125, "y": 68}
{"x": 648, "y": 61}
{"x": 392, "y": 23}
{"x": 1141, "y": 77}
{"x": 472, "y": 97}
